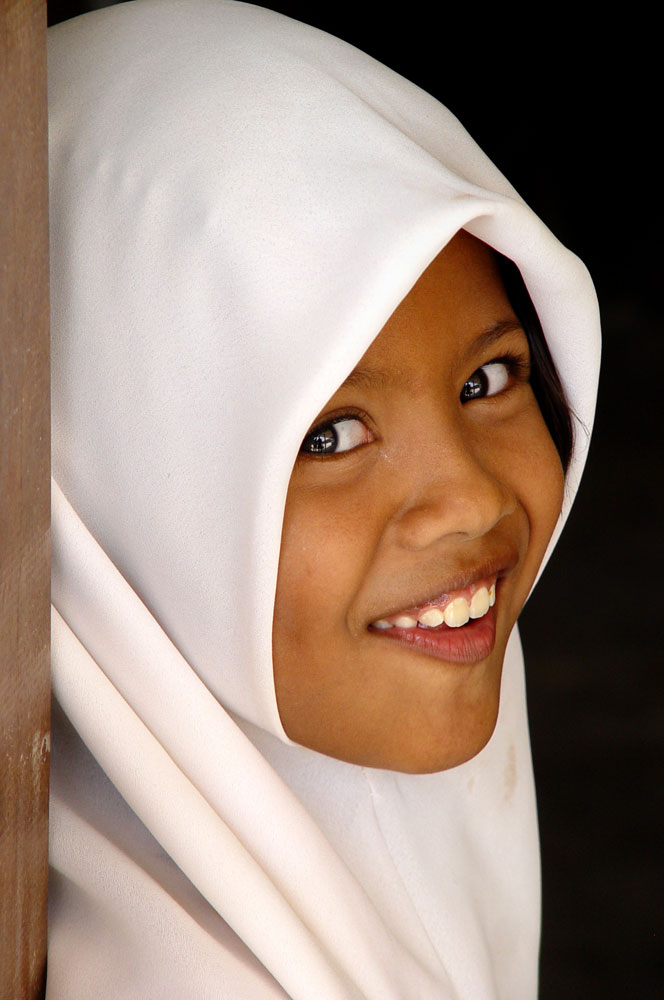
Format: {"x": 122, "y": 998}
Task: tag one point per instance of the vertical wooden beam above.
{"x": 24, "y": 499}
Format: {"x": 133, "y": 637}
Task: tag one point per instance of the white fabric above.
{"x": 239, "y": 202}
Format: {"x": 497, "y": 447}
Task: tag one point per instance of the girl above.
{"x": 308, "y": 456}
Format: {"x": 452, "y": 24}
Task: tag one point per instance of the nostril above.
{"x": 470, "y": 509}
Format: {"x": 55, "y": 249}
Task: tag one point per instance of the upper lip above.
{"x": 495, "y": 566}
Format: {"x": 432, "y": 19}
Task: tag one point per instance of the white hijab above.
{"x": 239, "y": 202}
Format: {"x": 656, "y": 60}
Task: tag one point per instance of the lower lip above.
{"x": 470, "y": 643}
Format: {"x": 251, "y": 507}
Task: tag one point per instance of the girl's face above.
{"x": 427, "y": 487}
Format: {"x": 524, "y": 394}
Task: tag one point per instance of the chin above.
{"x": 426, "y": 717}
{"x": 431, "y": 763}
{"x": 433, "y": 752}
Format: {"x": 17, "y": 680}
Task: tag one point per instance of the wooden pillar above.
{"x": 24, "y": 499}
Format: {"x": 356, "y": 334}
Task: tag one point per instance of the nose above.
{"x": 455, "y": 490}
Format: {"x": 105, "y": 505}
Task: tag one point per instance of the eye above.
{"x": 486, "y": 381}
{"x": 336, "y": 436}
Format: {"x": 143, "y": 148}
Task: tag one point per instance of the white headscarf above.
{"x": 239, "y": 202}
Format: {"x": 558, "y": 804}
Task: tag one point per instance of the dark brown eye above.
{"x": 486, "y": 381}
{"x": 322, "y": 441}
{"x": 475, "y": 386}
{"x": 342, "y": 434}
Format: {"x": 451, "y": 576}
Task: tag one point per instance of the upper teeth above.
{"x": 403, "y": 621}
{"x": 432, "y": 618}
{"x": 480, "y": 603}
{"x": 457, "y": 612}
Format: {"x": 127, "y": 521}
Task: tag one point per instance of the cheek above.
{"x": 547, "y": 482}
{"x": 320, "y": 567}
{"x": 523, "y": 456}
{"x": 541, "y": 494}
{"x": 330, "y": 531}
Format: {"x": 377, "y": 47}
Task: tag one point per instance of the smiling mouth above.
{"x": 452, "y": 610}
{"x": 458, "y": 627}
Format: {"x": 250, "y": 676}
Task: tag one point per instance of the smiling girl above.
{"x": 310, "y": 450}
{"x": 417, "y": 516}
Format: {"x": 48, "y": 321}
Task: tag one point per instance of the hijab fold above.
{"x": 239, "y": 202}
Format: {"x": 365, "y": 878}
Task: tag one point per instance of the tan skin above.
{"x": 424, "y": 493}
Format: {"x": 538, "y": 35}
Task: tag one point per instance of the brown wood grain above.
{"x": 24, "y": 500}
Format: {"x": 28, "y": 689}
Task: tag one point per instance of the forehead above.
{"x": 457, "y": 307}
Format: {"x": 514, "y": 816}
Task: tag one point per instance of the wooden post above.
{"x": 24, "y": 500}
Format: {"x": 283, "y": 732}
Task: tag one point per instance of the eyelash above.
{"x": 354, "y": 414}
{"x": 518, "y": 370}
{"x": 518, "y": 365}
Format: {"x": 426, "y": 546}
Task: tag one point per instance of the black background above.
{"x": 571, "y": 115}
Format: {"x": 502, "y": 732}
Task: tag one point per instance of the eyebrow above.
{"x": 494, "y": 333}
{"x": 374, "y": 378}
